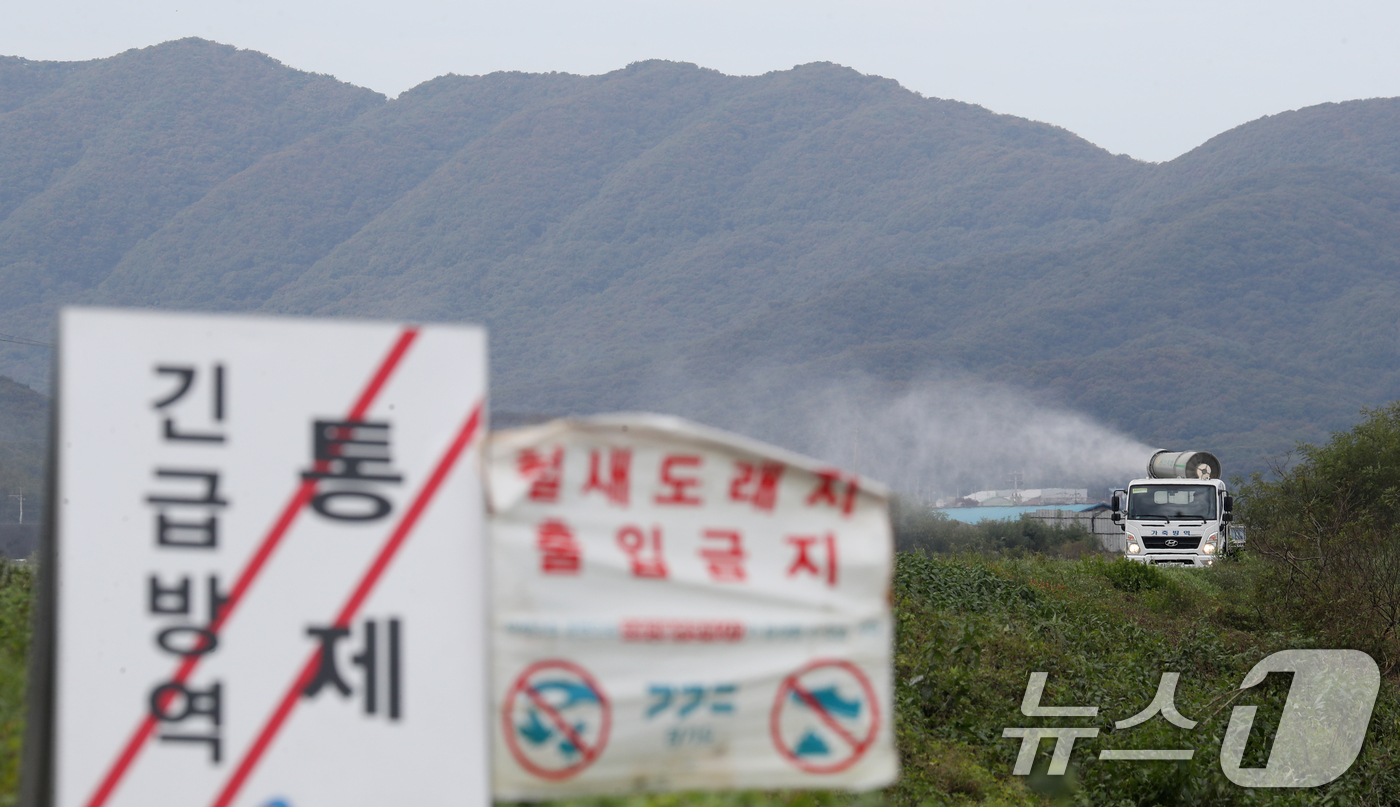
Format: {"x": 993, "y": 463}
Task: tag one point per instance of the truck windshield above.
{"x": 1171, "y": 501}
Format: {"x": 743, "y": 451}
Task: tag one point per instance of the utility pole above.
{"x": 1015, "y": 487}
{"x": 19, "y": 496}
{"x": 855, "y": 453}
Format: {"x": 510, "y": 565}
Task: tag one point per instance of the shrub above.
{"x": 1329, "y": 529}
{"x": 1131, "y": 576}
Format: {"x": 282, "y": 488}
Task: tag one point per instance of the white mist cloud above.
{"x": 936, "y": 436}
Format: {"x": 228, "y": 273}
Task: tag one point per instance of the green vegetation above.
{"x": 1125, "y": 575}
{"x": 970, "y": 630}
{"x": 16, "y": 595}
{"x": 1330, "y": 527}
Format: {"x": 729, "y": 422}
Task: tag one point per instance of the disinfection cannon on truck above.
{"x": 1179, "y": 514}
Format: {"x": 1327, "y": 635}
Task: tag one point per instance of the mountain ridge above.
{"x": 649, "y": 235}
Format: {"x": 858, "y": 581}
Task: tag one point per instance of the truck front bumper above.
{"x": 1194, "y": 560}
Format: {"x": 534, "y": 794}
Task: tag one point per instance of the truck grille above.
{"x": 1171, "y": 542}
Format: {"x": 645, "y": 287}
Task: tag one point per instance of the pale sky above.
{"x": 1149, "y": 79}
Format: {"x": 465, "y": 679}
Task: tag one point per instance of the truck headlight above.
{"x": 1209, "y": 549}
{"x": 1133, "y": 547}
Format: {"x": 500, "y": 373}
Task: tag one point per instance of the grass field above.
{"x": 16, "y": 594}
{"x": 970, "y": 631}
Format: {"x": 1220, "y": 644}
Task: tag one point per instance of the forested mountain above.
{"x": 1358, "y": 134}
{"x": 667, "y": 236}
{"x": 1241, "y": 317}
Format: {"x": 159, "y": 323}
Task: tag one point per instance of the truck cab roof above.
{"x": 1215, "y": 483}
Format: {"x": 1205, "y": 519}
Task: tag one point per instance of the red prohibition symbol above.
{"x": 825, "y": 717}
{"x": 556, "y": 719}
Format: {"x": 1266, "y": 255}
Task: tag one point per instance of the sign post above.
{"x": 268, "y": 550}
{"x": 680, "y": 608}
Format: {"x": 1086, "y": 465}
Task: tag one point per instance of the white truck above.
{"x": 1179, "y": 514}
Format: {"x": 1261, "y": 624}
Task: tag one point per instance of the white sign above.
{"x": 270, "y": 554}
{"x": 680, "y": 608}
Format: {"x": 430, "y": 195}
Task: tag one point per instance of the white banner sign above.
{"x": 269, "y": 554}
{"x": 677, "y": 608}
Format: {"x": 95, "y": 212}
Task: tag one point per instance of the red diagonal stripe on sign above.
{"x": 826, "y": 717}
{"x": 294, "y": 506}
{"x": 589, "y": 752}
{"x": 352, "y": 606}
